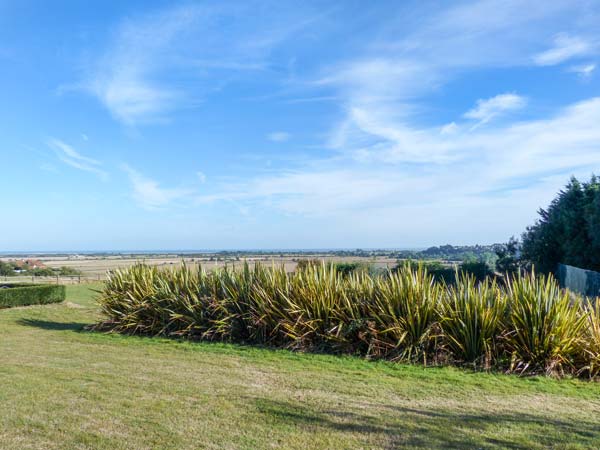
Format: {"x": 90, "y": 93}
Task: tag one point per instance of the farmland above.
{"x": 94, "y": 267}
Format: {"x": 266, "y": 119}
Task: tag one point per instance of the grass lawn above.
{"x": 62, "y": 387}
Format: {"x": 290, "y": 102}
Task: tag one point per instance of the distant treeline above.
{"x": 8, "y": 269}
{"x": 443, "y": 252}
{"x": 453, "y": 253}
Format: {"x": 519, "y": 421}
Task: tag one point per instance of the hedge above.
{"x": 31, "y": 294}
{"x": 526, "y": 325}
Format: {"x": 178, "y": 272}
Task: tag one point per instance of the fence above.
{"x": 585, "y": 282}
{"x": 59, "y": 279}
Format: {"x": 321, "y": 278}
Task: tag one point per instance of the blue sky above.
{"x": 274, "y": 124}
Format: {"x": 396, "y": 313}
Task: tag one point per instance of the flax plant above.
{"x": 403, "y": 309}
{"x": 590, "y": 343}
{"x": 471, "y": 317}
{"x": 316, "y": 303}
{"x": 402, "y": 315}
{"x": 543, "y": 328}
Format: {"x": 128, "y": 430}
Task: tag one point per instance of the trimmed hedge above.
{"x": 30, "y": 294}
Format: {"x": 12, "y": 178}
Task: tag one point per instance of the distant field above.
{"x": 95, "y": 268}
{"x": 66, "y": 388}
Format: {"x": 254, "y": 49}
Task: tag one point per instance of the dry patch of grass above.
{"x": 63, "y": 387}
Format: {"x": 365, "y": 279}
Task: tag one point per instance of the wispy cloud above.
{"x": 135, "y": 78}
{"x": 487, "y": 109}
{"x": 279, "y": 136}
{"x": 68, "y": 155}
{"x": 380, "y": 92}
{"x": 383, "y": 79}
{"x": 383, "y": 89}
{"x": 452, "y": 170}
{"x": 565, "y": 47}
{"x": 149, "y": 194}
{"x": 124, "y": 79}
{"x": 387, "y": 156}
{"x": 584, "y": 71}
{"x": 508, "y": 161}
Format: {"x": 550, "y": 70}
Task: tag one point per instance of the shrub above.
{"x": 311, "y": 307}
{"x": 6, "y": 269}
{"x": 304, "y": 263}
{"x": 448, "y": 273}
{"x": 439, "y": 271}
{"x": 41, "y": 272}
{"x": 590, "y": 344}
{"x": 68, "y": 271}
{"x": 33, "y": 294}
{"x": 403, "y": 310}
{"x": 344, "y": 268}
{"x": 348, "y": 268}
{"x": 528, "y": 326}
{"x": 543, "y": 329}
{"x": 471, "y": 318}
{"x": 479, "y": 269}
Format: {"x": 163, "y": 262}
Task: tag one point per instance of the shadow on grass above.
{"x": 422, "y": 428}
{"x": 54, "y": 326}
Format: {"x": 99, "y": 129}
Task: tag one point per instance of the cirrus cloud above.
{"x": 149, "y": 194}
{"x": 68, "y": 155}
{"x": 565, "y": 47}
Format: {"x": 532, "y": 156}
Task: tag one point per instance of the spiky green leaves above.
{"x": 529, "y": 325}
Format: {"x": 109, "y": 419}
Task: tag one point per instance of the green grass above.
{"x": 62, "y": 387}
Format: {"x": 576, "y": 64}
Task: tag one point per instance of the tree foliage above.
{"x": 508, "y": 260}
{"x": 478, "y": 269}
{"x": 568, "y": 231}
{"x": 6, "y": 269}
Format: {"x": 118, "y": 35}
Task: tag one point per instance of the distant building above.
{"x": 25, "y": 264}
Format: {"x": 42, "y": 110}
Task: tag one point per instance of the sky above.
{"x": 146, "y": 125}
